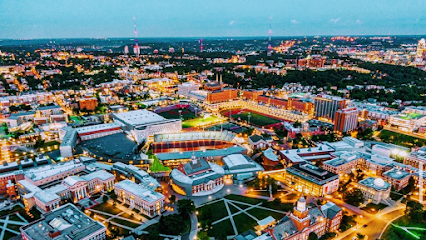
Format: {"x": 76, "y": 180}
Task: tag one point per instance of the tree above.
{"x": 185, "y": 207}
{"x": 360, "y": 236}
{"x": 172, "y": 198}
{"x": 414, "y": 210}
{"x": 172, "y": 224}
{"x": 203, "y": 236}
{"x": 313, "y": 236}
{"x": 354, "y": 197}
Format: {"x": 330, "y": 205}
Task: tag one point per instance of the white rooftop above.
{"x": 98, "y": 127}
{"x": 139, "y": 117}
{"x": 46, "y": 171}
{"x": 139, "y": 190}
{"x": 101, "y": 174}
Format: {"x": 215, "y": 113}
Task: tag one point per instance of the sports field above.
{"x": 404, "y": 228}
{"x": 200, "y": 122}
{"x": 174, "y": 114}
{"x": 255, "y": 118}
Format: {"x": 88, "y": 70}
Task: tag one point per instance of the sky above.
{"x": 31, "y": 19}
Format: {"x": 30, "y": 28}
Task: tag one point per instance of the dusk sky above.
{"x": 217, "y": 18}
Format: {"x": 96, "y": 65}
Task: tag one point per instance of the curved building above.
{"x": 197, "y": 178}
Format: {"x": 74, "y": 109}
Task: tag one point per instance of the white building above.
{"x": 139, "y": 197}
{"x": 186, "y": 87}
{"x": 143, "y": 123}
{"x": 375, "y": 189}
{"x": 66, "y": 222}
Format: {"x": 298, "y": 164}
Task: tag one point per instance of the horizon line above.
{"x": 198, "y": 37}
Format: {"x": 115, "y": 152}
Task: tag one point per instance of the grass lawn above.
{"x": 108, "y": 208}
{"x": 400, "y": 139}
{"x": 199, "y": 122}
{"x": 6, "y": 212}
{"x": 174, "y": 114}
{"x": 369, "y": 208}
{"x": 157, "y": 166}
{"x": 395, "y": 233}
{"x": 244, "y": 199}
{"x": 244, "y": 222}
{"x": 125, "y": 223}
{"x": 218, "y": 210}
{"x": 223, "y": 228}
{"x": 261, "y": 214}
{"x": 233, "y": 209}
{"x": 256, "y": 119}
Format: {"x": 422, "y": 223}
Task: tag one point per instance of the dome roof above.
{"x": 379, "y": 182}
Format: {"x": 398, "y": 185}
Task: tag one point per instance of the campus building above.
{"x": 375, "y": 190}
{"x": 97, "y": 131}
{"x": 346, "y": 120}
{"x": 397, "y": 177}
{"x": 65, "y": 222}
{"x": 140, "y": 197}
{"x": 326, "y": 106}
{"x": 310, "y": 179}
{"x": 143, "y": 123}
{"x": 47, "y": 186}
{"x": 240, "y": 167}
{"x": 303, "y": 220}
{"x": 197, "y": 178}
{"x": 343, "y": 163}
{"x": 222, "y": 95}
{"x": 407, "y": 121}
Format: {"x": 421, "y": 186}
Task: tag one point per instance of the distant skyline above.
{"x": 29, "y": 19}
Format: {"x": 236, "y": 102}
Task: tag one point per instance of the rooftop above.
{"x": 202, "y": 153}
{"x": 312, "y": 173}
{"x": 376, "y": 183}
{"x": 46, "y": 171}
{"x": 139, "y": 190}
{"x": 396, "y": 173}
{"x": 67, "y": 220}
{"x": 139, "y": 117}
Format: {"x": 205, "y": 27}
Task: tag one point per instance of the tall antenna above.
{"x": 270, "y": 36}
{"x": 136, "y": 48}
{"x": 201, "y": 45}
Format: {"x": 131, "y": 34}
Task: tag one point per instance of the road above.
{"x": 375, "y": 224}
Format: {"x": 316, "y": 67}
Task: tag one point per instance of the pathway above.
{"x": 194, "y": 226}
{"x": 231, "y": 218}
{"x": 112, "y": 216}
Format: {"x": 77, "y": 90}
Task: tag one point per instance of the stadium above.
{"x": 185, "y": 111}
{"x": 177, "y": 148}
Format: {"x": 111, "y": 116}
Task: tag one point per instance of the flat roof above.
{"x": 68, "y": 220}
{"x": 139, "y": 190}
{"x": 139, "y": 117}
{"x": 396, "y": 173}
{"x": 39, "y": 173}
{"x": 200, "y": 154}
{"x": 312, "y": 173}
{"x": 98, "y": 127}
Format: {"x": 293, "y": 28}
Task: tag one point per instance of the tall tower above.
{"x": 201, "y": 45}
{"x": 126, "y": 49}
{"x": 136, "y": 48}
{"x": 270, "y": 39}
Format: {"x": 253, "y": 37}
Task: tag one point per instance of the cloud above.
{"x": 334, "y": 20}
{"x": 358, "y": 21}
{"x": 231, "y": 22}
{"x": 294, "y": 21}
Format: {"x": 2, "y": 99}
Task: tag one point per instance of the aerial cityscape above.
{"x": 212, "y": 122}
